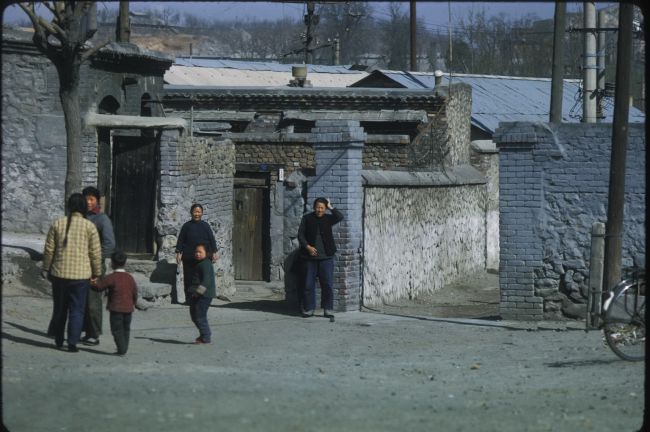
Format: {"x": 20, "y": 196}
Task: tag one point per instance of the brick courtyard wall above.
{"x": 553, "y": 186}
{"x": 197, "y": 170}
{"x": 338, "y": 146}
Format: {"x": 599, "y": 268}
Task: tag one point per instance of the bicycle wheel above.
{"x": 624, "y": 325}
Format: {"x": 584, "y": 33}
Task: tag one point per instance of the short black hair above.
{"x": 203, "y": 245}
{"x": 91, "y": 190}
{"x": 321, "y": 200}
{"x": 118, "y": 258}
{"x": 195, "y": 206}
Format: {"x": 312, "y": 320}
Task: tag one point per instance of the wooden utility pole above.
{"x": 589, "y": 64}
{"x": 616, "y": 200}
{"x": 310, "y": 20}
{"x": 123, "y": 31}
{"x": 557, "y": 80}
{"x": 414, "y": 50}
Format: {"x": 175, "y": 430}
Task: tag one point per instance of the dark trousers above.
{"x": 71, "y": 302}
{"x": 94, "y": 314}
{"x": 121, "y": 330}
{"x": 324, "y": 271}
{"x": 56, "y": 309}
{"x": 188, "y": 270}
{"x": 199, "y": 313}
{"x": 94, "y": 311}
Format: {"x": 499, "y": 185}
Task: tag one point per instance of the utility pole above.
{"x": 310, "y": 20}
{"x": 123, "y": 31}
{"x": 600, "y": 77}
{"x": 414, "y": 57}
{"x": 616, "y": 199}
{"x": 557, "y": 80}
{"x": 589, "y": 64}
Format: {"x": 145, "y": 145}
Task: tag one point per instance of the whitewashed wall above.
{"x": 417, "y": 240}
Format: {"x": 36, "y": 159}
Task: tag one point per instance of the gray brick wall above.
{"x": 553, "y": 186}
{"x": 338, "y": 147}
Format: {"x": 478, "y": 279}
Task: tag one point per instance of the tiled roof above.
{"x": 506, "y": 99}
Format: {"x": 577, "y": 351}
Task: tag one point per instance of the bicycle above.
{"x": 622, "y": 317}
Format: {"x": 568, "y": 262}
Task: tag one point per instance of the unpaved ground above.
{"x": 269, "y": 370}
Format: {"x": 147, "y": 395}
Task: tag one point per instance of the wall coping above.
{"x": 455, "y": 176}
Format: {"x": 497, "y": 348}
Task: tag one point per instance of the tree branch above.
{"x": 85, "y": 56}
{"x": 81, "y": 8}
{"x": 40, "y": 37}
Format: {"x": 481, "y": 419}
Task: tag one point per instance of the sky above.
{"x": 435, "y": 14}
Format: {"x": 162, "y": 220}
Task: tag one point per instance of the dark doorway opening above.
{"x": 251, "y": 229}
{"x": 133, "y": 193}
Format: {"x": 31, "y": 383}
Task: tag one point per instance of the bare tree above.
{"x": 64, "y": 41}
{"x": 396, "y": 37}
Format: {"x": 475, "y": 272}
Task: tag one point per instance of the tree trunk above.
{"x": 69, "y": 95}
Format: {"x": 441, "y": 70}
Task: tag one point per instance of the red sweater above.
{"x": 122, "y": 291}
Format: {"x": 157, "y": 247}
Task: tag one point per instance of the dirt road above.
{"x": 268, "y": 370}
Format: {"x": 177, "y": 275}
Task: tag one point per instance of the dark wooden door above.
{"x": 248, "y": 232}
{"x": 133, "y": 193}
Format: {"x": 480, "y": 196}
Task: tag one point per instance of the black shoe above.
{"x": 307, "y": 314}
{"x": 91, "y": 341}
{"x": 328, "y": 314}
{"x": 73, "y": 348}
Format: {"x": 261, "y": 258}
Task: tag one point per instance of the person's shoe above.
{"x": 200, "y": 341}
{"x": 328, "y": 313}
{"x": 307, "y": 314}
{"x": 121, "y": 354}
{"x": 91, "y": 341}
{"x": 73, "y": 348}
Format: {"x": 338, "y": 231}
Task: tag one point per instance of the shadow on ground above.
{"x": 281, "y": 307}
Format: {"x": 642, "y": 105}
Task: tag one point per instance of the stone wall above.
{"x": 33, "y": 142}
{"x": 416, "y": 240}
{"x": 33, "y": 130}
{"x": 485, "y": 158}
{"x": 197, "y": 170}
{"x": 553, "y": 186}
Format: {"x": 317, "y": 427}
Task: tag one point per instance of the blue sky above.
{"x": 434, "y": 14}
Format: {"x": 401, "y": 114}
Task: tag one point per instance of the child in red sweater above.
{"x": 122, "y": 296}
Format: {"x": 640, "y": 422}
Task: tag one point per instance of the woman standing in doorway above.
{"x": 194, "y": 232}
{"x": 72, "y": 259}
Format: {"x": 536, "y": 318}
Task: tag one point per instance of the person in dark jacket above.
{"x": 94, "y": 310}
{"x": 203, "y": 290}
{"x": 318, "y": 249}
{"x": 194, "y": 232}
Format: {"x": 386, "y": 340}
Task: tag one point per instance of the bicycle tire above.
{"x": 624, "y": 324}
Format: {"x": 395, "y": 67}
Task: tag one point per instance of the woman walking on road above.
{"x": 72, "y": 258}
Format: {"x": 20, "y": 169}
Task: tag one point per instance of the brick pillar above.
{"x": 520, "y": 196}
{"x": 338, "y": 147}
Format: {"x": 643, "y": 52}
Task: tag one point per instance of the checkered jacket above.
{"x": 81, "y": 258}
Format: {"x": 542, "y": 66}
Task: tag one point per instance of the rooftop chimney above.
{"x": 438, "y": 77}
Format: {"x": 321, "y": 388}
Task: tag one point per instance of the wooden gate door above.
{"x": 249, "y": 229}
{"x": 133, "y": 193}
